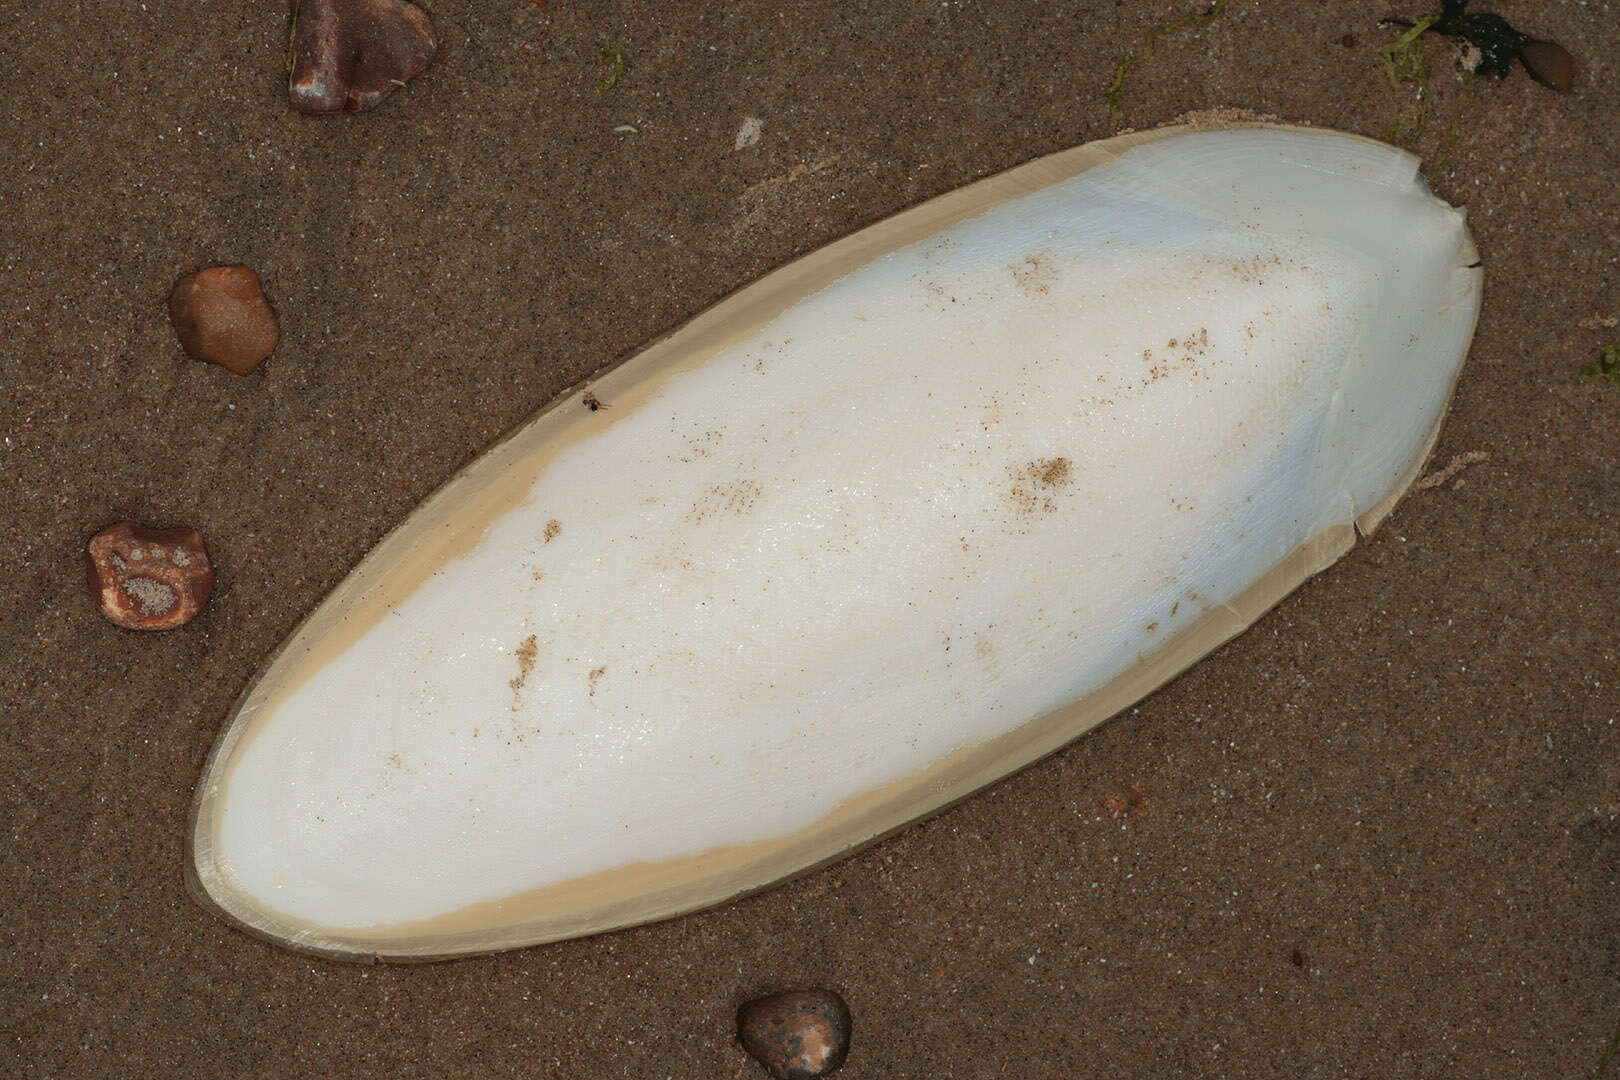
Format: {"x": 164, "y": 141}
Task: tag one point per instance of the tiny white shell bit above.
{"x": 885, "y": 526}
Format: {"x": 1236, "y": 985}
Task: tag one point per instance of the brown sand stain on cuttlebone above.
{"x": 1033, "y": 488}
{"x": 525, "y": 653}
{"x": 1036, "y": 274}
{"x": 1180, "y": 355}
{"x": 735, "y": 497}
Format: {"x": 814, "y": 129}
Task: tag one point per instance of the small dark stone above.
{"x": 798, "y": 1035}
{"x": 221, "y": 316}
{"x": 1348, "y": 41}
{"x": 1299, "y": 957}
{"x": 349, "y": 55}
{"x": 1548, "y": 63}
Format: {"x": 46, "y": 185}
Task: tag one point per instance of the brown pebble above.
{"x": 1348, "y": 41}
{"x": 348, "y": 55}
{"x": 148, "y": 579}
{"x": 797, "y": 1035}
{"x": 221, "y": 316}
{"x": 1548, "y": 63}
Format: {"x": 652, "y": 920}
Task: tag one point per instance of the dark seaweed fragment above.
{"x": 1499, "y": 44}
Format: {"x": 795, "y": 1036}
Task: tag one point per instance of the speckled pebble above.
{"x": 148, "y": 579}
{"x": 798, "y": 1035}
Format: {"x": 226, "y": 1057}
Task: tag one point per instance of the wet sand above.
{"x": 1377, "y": 835}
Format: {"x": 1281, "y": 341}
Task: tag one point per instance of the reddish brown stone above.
{"x": 348, "y": 55}
{"x": 148, "y": 579}
{"x": 221, "y": 316}
{"x": 798, "y": 1035}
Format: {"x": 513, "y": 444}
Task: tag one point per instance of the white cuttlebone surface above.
{"x": 959, "y": 488}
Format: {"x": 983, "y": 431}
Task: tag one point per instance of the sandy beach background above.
{"x": 1376, "y": 836}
